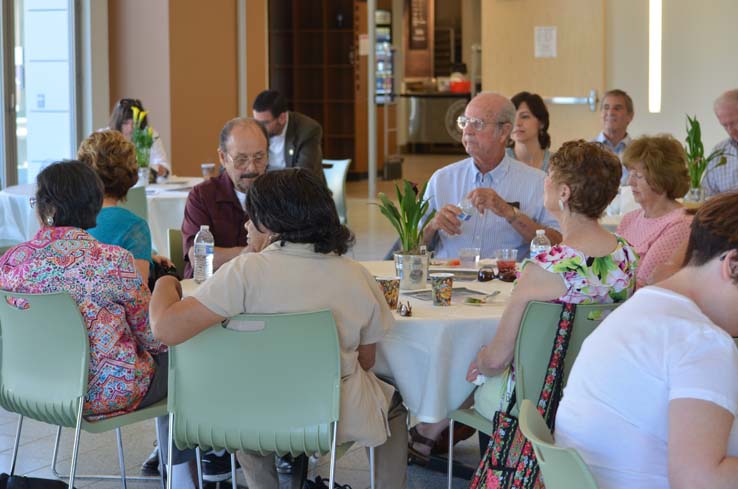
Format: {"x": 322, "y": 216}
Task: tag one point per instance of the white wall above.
{"x": 700, "y": 61}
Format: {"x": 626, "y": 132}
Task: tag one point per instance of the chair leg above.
{"x": 371, "y": 467}
{"x": 75, "y": 449}
{"x": 121, "y": 460}
{"x": 450, "y": 452}
{"x": 159, "y": 446}
{"x": 60, "y": 476}
{"x": 16, "y": 444}
{"x": 170, "y": 442}
{"x": 234, "y": 485}
{"x": 332, "y": 476}
{"x": 198, "y": 459}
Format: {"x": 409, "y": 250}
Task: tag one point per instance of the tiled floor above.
{"x": 374, "y": 236}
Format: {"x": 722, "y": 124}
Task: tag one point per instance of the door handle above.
{"x": 590, "y": 100}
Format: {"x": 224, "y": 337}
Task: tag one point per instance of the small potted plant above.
{"x": 697, "y": 162}
{"x": 143, "y": 139}
{"x": 411, "y": 264}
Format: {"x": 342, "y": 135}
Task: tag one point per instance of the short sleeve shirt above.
{"x": 295, "y": 278}
{"x": 656, "y": 347}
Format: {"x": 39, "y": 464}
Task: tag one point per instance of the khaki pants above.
{"x": 390, "y": 458}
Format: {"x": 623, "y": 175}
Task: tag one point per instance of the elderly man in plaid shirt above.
{"x": 725, "y": 178}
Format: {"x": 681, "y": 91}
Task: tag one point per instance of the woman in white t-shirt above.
{"x": 652, "y": 397}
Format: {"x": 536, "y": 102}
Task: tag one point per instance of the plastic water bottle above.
{"x": 467, "y": 210}
{"x": 540, "y": 243}
{"x": 204, "y": 244}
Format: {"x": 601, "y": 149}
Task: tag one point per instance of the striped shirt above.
{"x": 618, "y": 149}
{"x": 723, "y": 178}
{"x": 513, "y": 181}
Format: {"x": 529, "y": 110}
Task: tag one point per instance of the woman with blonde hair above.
{"x": 659, "y": 229}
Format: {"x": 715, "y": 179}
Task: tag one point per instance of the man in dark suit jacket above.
{"x": 294, "y": 138}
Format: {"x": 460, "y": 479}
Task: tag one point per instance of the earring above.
{"x": 49, "y": 220}
{"x": 561, "y": 205}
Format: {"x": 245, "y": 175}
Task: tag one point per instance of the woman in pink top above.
{"x": 660, "y": 228}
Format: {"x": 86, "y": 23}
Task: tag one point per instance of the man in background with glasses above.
{"x": 507, "y": 195}
{"x": 294, "y": 138}
{"x": 219, "y": 201}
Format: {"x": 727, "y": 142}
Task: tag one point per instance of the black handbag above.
{"x": 158, "y": 271}
{"x": 509, "y": 461}
{"x": 23, "y": 482}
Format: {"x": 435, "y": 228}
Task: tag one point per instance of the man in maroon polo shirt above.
{"x": 218, "y": 202}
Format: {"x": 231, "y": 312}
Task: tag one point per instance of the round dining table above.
{"x": 427, "y": 354}
{"x": 165, "y": 204}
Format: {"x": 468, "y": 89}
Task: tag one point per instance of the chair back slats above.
{"x": 45, "y": 354}
{"x": 535, "y": 340}
{"x": 276, "y": 389}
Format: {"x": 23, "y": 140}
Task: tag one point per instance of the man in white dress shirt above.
{"x": 507, "y": 194}
{"x": 294, "y": 138}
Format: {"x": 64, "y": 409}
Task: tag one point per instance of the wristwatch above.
{"x": 516, "y": 213}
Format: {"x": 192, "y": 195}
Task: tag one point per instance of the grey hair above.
{"x": 225, "y": 133}
{"x": 727, "y": 97}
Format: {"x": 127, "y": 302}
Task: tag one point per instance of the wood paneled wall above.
{"x": 180, "y": 57}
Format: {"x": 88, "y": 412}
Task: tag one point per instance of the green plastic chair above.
{"x": 265, "y": 404}
{"x": 561, "y": 468}
{"x": 136, "y": 202}
{"x": 335, "y": 172}
{"x": 532, "y": 353}
{"x": 175, "y": 248}
{"x": 43, "y": 373}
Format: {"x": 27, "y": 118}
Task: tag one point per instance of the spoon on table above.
{"x": 482, "y": 300}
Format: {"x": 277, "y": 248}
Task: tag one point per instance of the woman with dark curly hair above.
{"x": 295, "y": 224}
{"x": 529, "y": 140}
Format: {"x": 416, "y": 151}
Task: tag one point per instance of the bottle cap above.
{"x": 204, "y": 227}
{"x": 540, "y": 232}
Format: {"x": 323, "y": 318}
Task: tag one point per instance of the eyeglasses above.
{"x": 32, "y": 202}
{"x": 477, "y": 124}
{"x": 243, "y": 161}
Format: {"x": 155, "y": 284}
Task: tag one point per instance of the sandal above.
{"x": 414, "y": 456}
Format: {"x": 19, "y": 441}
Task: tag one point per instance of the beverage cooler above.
{"x": 385, "y": 77}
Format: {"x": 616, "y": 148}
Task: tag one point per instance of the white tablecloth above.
{"x": 427, "y": 354}
{"x": 165, "y": 203}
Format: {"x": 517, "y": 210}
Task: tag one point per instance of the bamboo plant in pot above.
{"x": 697, "y": 162}
{"x": 411, "y": 265}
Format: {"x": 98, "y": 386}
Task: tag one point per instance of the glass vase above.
{"x": 143, "y": 175}
{"x": 695, "y": 195}
{"x": 412, "y": 270}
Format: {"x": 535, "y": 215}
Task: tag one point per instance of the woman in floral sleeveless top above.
{"x": 591, "y": 265}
